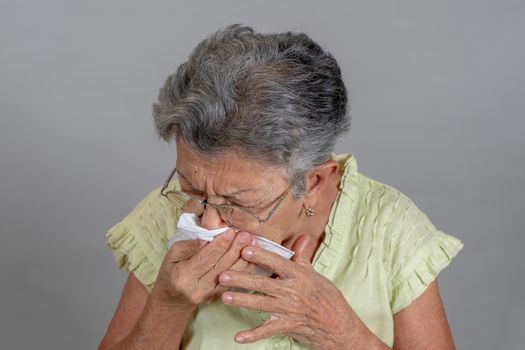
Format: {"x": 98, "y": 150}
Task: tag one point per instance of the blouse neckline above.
{"x": 332, "y": 243}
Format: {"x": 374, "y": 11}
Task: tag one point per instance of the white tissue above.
{"x": 189, "y": 227}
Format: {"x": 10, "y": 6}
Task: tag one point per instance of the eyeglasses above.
{"x": 233, "y": 215}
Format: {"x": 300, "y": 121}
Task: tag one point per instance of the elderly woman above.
{"x": 255, "y": 118}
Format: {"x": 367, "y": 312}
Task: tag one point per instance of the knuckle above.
{"x": 296, "y": 326}
{"x": 198, "y": 244}
{"x": 287, "y": 327}
{"x": 265, "y": 284}
{"x": 196, "y": 296}
{"x": 178, "y": 284}
{"x": 242, "y": 239}
{"x": 294, "y": 301}
{"x": 192, "y": 298}
{"x": 182, "y": 285}
{"x": 277, "y": 263}
{"x": 260, "y": 305}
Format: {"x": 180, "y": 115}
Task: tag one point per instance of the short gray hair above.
{"x": 275, "y": 98}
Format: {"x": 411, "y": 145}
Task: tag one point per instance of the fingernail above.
{"x": 227, "y": 298}
{"x": 239, "y": 339}
{"x": 244, "y": 237}
{"x": 229, "y": 235}
{"x": 225, "y": 277}
{"x": 253, "y": 241}
{"x": 247, "y": 252}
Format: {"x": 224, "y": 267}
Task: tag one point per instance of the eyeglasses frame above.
{"x": 218, "y": 207}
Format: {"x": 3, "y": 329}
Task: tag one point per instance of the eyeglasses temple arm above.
{"x": 166, "y": 183}
{"x": 276, "y": 206}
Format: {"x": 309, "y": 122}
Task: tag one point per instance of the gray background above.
{"x": 437, "y": 99}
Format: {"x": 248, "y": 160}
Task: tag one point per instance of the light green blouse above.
{"x": 380, "y": 250}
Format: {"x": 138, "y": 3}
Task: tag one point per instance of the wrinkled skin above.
{"x": 188, "y": 275}
{"x": 302, "y": 303}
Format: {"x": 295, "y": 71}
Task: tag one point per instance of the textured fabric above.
{"x": 379, "y": 249}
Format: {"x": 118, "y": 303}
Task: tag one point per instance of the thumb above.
{"x": 304, "y": 249}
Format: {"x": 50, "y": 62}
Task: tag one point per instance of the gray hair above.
{"x": 275, "y": 98}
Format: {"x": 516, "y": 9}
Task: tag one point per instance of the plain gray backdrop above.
{"x": 437, "y": 93}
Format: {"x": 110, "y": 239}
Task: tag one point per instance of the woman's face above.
{"x": 230, "y": 179}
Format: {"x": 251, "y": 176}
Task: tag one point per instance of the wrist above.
{"x": 160, "y": 301}
{"x": 157, "y": 321}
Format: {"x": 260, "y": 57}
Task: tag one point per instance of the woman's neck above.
{"x": 315, "y": 225}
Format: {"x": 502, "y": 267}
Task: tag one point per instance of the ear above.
{"x": 317, "y": 180}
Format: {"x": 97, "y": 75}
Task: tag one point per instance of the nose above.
{"x": 210, "y": 219}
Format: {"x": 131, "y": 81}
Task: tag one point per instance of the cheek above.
{"x": 280, "y": 226}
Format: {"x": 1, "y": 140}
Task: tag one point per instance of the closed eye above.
{"x": 192, "y": 193}
{"x": 254, "y": 206}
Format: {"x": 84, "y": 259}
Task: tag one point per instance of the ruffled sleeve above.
{"x": 417, "y": 251}
{"x": 139, "y": 241}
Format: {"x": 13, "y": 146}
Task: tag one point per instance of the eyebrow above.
{"x": 225, "y": 195}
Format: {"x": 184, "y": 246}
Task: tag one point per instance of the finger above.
{"x": 304, "y": 248}
{"x": 244, "y": 266}
{"x": 231, "y": 256}
{"x": 263, "y": 284}
{"x": 240, "y": 265}
{"x": 183, "y": 250}
{"x": 268, "y": 329}
{"x": 208, "y": 256}
{"x": 253, "y": 302}
{"x": 269, "y": 260}
{"x": 250, "y": 268}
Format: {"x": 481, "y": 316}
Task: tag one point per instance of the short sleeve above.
{"x": 139, "y": 241}
{"x": 416, "y": 252}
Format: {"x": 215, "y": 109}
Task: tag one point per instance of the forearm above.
{"x": 368, "y": 340}
{"x": 360, "y": 337}
{"x": 158, "y": 322}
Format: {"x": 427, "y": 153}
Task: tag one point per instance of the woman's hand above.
{"x": 302, "y": 303}
{"x": 189, "y": 272}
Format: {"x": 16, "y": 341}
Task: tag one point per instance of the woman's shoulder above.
{"x": 139, "y": 241}
{"x": 377, "y": 206}
{"x": 383, "y": 220}
{"x": 391, "y": 214}
{"x": 370, "y": 203}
